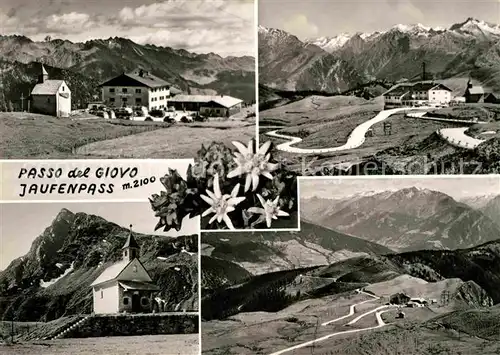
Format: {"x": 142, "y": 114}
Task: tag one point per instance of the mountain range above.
{"x": 53, "y": 279}
{"x": 334, "y": 64}
{"x": 95, "y": 61}
{"x": 474, "y": 271}
{"x": 264, "y": 252}
{"x": 407, "y": 219}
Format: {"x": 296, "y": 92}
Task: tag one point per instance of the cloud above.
{"x": 225, "y": 27}
{"x": 72, "y": 22}
{"x": 300, "y": 26}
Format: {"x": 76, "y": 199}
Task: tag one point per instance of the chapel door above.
{"x": 136, "y": 303}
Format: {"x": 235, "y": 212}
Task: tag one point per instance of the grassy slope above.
{"x": 185, "y": 344}
{"x": 31, "y": 136}
{"x": 179, "y": 141}
{"x": 37, "y": 136}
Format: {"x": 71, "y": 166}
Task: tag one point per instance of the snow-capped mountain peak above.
{"x": 330, "y": 43}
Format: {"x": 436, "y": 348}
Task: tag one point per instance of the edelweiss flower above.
{"x": 252, "y": 164}
{"x": 269, "y": 211}
{"x": 221, "y": 204}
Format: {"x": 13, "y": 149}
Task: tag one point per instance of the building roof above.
{"x": 475, "y": 90}
{"x": 135, "y": 79}
{"x": 223, "y": 100}
{"x": 131, "y": 242}
{"x": 111, "y": 272}
{"x": 137, "y": 285}
{"x": 175, "y": 91}
{"x": 398, "y": 89}
{"x": 405, "y": 88}
{"x": 48, "y": 87}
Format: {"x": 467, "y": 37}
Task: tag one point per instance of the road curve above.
{"x": 352, "y": 308}
{"x": 454, "y": 136}
{"x": 458, "y": 138}
{"x": 380, "y": 324}
{"x": 355, "y": 139}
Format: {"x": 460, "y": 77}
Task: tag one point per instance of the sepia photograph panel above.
{"x": 86, "y": 277}
{"x": 96, "y": 258}
{"x": 381, "y": 87}
{"x": 380, "y": 266}
{"x": 134, "y": 79}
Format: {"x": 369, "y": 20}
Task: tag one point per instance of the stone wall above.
{"x": 138, "y": 324}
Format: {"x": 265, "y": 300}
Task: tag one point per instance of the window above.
{"x": 162, "y": 97}
{"x": 124, "y": 99}
{"x": 111, "y": 89}
{"x": 102, "y": 294}
{"x": 48, "y": 99}
{"x": 112, "y": 99}
{"x": 137, "y": 91}
{"x": 218, "y": 111}
{"x": 144, "y": 301}
{"x": 138, "y": 100}
{"x": 63, "y": 88}
{"x": 124, "y": 90}
{"x": 125, "y": 301}
{"x": 135, "y": 268}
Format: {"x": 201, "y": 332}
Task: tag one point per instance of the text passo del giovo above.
{"x": 80, "y": 186}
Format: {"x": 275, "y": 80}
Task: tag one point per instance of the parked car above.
{"x": 156, "y": 113}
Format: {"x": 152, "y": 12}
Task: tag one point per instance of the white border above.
{"x": 396, "y": 177}
{"x": 256, "y": 40}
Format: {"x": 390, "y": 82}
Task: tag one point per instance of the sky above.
{"x": 318, "y": 18}
{"x": 225, "y": 27}
{"x": 23, "y": 222}
{"x": 458, "y": 187}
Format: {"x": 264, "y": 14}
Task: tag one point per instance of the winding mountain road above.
{"x": 454, "y": 136}
{"x": 352, "y": 307}
{"x": 355, "y": 139}
{"x": 380, "y": 323}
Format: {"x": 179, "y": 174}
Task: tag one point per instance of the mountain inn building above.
{"x": 50, "y": 97}
{"x": 207, "y": 105}
{"x": 125, "y": 286}
{"x": 139, "y": 88}
{"x": 411, "y": 94}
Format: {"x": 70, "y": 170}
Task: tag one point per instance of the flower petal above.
{"x": 214, "y": 217}
{"x": 256, "y": 210}
{"x": 236, "y": 172}
{"x": 207, "y": 212}
{"x": 272, "y": 166}
{"x": 207, "y": 199}
{"x": 235, "y": 191}
{"x": 264, "y": 147}
{"x": 228, "y": 222}
{"x": 261, "y": 199}
{"x": 233, "y": 201}
{"x": 255, "y": 181}
{"x": 242, "y": 149}
{"x": 268, "y": 220}
{"x": 275, "y": 201}
{"x": 267, "y": 174}
{"x": 217, "y": 191}
{"x": 282, "y": 213}
{"x": 248, "y": 182}
{"x": 230, "y": 209}
{"x": 250, "y": 146}
{"x": 212, "y": 196}
{"x": 220, "y": 216}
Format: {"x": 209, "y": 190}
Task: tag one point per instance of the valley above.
{"x": 344, "y": 285}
